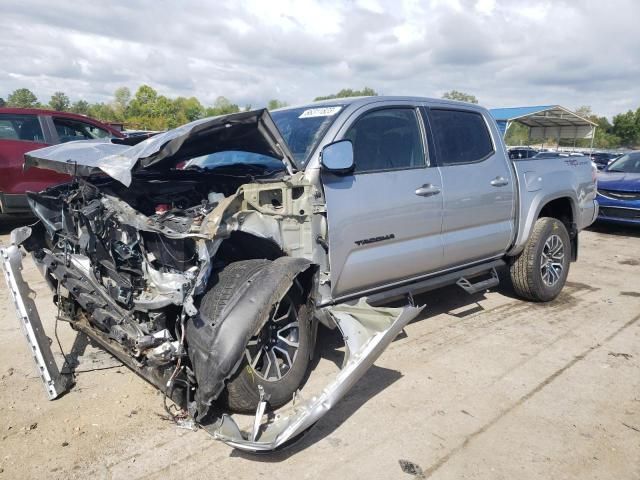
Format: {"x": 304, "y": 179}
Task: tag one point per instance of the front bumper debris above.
{"x": 367, "y": 331}
{"x": 55, "y": 384}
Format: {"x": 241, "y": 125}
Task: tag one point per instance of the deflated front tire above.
{"x": 277, "y": 355}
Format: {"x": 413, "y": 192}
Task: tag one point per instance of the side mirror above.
{"x": 338, "y": 157}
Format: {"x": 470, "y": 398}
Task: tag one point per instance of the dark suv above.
{"x": 26, "y": 129}
{"x": 602, "y": 159}
{"x": 521, "y": 152}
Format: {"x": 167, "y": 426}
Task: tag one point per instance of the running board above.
{"x": 54, "y": 382}
{"x": 433, "y": 282}
{"x": 480, "y": 286}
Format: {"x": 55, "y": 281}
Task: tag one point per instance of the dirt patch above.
{"x": 581, "y": 286}
{"x": 631, "y": 261}
{"x": 509, "y": 387}
{"x": 630, "y": 294}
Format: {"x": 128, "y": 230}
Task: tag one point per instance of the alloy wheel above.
{"x": 272, "y": 352}
{"x": 552, "y": 260}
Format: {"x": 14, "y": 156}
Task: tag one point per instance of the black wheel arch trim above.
{"x": 218, "y": 360}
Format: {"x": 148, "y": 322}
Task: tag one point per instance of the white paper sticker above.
{"x": 320, "y": 112}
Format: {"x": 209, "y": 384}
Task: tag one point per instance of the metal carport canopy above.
{"x": 545, "y": 121}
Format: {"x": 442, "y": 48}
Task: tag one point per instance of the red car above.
{"x": 26, "y": 129}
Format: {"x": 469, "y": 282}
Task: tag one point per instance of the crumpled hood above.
{"x": 627, "y": 182}
{"x": 252, "y": 131}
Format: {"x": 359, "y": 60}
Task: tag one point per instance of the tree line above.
{"x": 148, "y": 110}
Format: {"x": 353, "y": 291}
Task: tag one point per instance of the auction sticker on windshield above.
{"x": 320, "y": 112}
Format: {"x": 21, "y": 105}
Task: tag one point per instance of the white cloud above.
{"x": 506, "y": 52}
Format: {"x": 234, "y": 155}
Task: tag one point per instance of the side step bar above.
{"x": 443, "y": 280}
{"x": 54, "y": 383}
{"x": 480, "y": 286}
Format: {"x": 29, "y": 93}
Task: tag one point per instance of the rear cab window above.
{"x": 20, "y": 127}
{"x": 460, "y": 136}
{"x": 70, "y": 130}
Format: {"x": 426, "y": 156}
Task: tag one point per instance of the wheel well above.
{"x": 246, "y": 246}
{"x": 561, "y": 209}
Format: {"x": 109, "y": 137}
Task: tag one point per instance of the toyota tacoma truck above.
{"x": 205, "y": 257}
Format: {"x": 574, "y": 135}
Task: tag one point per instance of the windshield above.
{"x": 231, "y": 158}
{"x": 629, "y": 163}
{"x": 302, "y": 128}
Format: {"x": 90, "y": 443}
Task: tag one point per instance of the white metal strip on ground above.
{"x": 39, "y": 345}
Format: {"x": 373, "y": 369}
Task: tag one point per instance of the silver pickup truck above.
{"x": 205, "y": 257}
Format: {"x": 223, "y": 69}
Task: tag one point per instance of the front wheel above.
{"x": 277, "y": 357}
{"x": 540, "y": 271}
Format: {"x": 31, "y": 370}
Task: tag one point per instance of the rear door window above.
{"x": 20, "y": 127}
{"x": 461, "y": 136}
{"x": 70, "y": 130}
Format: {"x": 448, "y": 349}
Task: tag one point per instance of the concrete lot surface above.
{"x": 480, "y": 387}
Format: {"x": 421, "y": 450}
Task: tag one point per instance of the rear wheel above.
{"x": 540, "y": 271}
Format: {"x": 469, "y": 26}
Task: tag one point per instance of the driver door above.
{"x": 385, "y": 218}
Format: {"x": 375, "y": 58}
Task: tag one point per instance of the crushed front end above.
{"x": 129, "y": 250}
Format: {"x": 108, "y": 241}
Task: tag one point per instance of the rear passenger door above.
{"x": 384, "y": 219}
{"x": 477, "y": 185}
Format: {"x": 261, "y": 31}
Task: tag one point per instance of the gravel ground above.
{"x": 483, "y": 386}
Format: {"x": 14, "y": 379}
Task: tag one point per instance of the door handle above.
{"x": 499, "y": 182}
{"x": 427, "y": 190}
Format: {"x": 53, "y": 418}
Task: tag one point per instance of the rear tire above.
{"x": 540, "y": 271}
{"x": 282, "y": 346}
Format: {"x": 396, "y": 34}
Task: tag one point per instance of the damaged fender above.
{"x": 367, "y": 331}
{"x": 217, "y": 352}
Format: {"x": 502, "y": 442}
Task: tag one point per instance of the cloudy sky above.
{"x": 506, "y": 53}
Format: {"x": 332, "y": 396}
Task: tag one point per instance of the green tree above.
{"x": 102, "y": 111}
{"x": 190, "y": 107}
{"x": 275, "y": 104}
{"x": 2, "y": 102}
{"x": 81, "y": 106}
{"x": 460, "y": 96}
{"x": 59, "y": 102}
{"x": 121, "y": 99}
{"x": 348, "y": 92}
{"x": 165, "y": 113}
{"x": 604, "y": 138}
{"x": 518, "y": 134}
{"x": 222, "y": 106}
{"x": 626, "y": 126}
{"x": 143, "y": 102}
{"x": 22, "y": 98}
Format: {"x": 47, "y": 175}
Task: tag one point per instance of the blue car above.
{"x": 619, "y": 190}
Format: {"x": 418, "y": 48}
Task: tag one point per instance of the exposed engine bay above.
{"x": 132, "y": 261}
{"x": 144, "y": 256}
